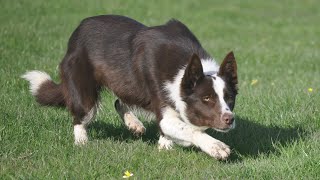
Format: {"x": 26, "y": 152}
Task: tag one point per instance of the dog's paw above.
{"x": 134, "y": 124}
{"x": 164, "y": 143}
{"x": 80, "y": 135}
{"x": 81, "y": 141}
{"x": 218, "y": 150}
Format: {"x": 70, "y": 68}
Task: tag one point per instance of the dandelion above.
{"x": 254, "y": 81}
{"x": 127, "y": 174}
{"x": 310, "y": 89}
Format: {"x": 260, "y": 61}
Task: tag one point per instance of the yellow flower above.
{"x": 310, "y": 89}
{"x": 254, "y": 81}
{"x": 127, "y": 174}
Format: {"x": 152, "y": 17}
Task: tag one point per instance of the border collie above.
{"x": 163, "y": 70}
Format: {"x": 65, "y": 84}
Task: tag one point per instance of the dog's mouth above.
{"x": 226, "y": 129}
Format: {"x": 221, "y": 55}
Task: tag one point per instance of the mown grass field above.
{"x": 276, "y": 43}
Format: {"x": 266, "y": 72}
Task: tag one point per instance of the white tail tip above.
{"x": 36, "y": 78}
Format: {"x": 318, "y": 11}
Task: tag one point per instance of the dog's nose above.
{"x": 227, "y": 118}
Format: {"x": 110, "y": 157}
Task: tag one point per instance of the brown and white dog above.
{"x": 162, "y": 70}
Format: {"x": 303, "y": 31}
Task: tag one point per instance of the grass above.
{"x": 278, "y": 132}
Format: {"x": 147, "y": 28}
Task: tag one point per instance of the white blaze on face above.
{"x": 211, "y": 68}
{"x": 218, "y": 86}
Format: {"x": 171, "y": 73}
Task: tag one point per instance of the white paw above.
{"x": 164, "y": 143}
{"x": 81, "y": 141}
{"x": 80, "y": 135}
{"x": 133, "y": 124}
{"x": 217, "y": 149}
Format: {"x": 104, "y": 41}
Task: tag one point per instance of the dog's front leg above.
{"x": 182, "y": 133}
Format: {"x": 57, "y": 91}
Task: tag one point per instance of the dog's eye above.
{"x": 206, "y": 98}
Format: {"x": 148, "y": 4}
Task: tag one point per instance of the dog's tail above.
{"x": 45, "y": 91}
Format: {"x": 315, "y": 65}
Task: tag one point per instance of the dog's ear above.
{"x": 228, "y": 70}
{"x": 192, "y": 74}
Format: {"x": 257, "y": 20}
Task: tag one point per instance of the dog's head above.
{"x": 210, "y": 99}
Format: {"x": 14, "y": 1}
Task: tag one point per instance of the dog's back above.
{"x": 131, "y": 59}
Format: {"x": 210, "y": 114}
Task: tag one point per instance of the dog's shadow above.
{"x": 103, "y": 130}
{"x": 247, "y": 139}
{"x": 252, "y": 139}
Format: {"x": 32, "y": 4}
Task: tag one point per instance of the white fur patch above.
{"x": 80, "y": 134}
{"x": 185, "y": 134}
{"x": 174, "y": 89}
{"x": 218, "y": 86}
{"x": 133, "y": 123}
{"x": 174, "y": 128}
{"x": 165, "y": 143}
{"x": 36, "y": 78}
{"x": 209, "y": 66}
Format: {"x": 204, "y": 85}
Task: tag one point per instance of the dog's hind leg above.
{"x": 80, "y": 124}
{"x": 81, "y": 92}
{"x": 129, "y": 119}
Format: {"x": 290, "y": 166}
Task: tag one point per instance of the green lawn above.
{"x": 276, "y": 43}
